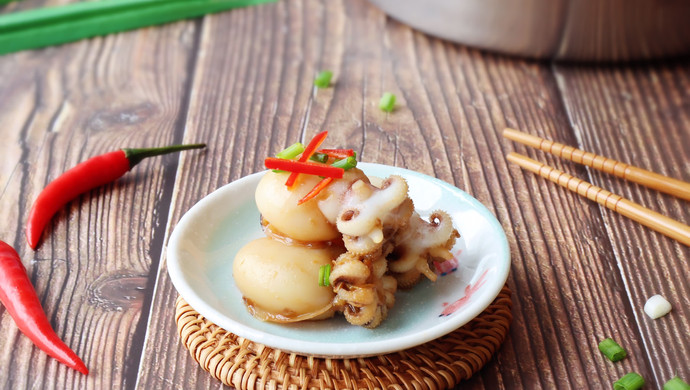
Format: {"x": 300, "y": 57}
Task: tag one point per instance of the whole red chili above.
{"x": 20, "y": 299}
{"x": 86, "y": 176}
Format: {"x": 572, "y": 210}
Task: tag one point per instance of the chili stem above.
{"x": 136, "y": 155}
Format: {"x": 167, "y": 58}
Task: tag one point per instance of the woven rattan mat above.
{"x": 438, "y": 364}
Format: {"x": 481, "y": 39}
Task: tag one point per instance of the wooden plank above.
{"x": 59, "y": 106}
{"x": 252, "y": 97}
{"x": 639, "y": 115}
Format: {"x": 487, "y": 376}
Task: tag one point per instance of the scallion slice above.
{"x": 630, "y": 381}
{"x": 325, "y": 275}
{"x": 323, "y": 79}
{"x": 676, "y": 384}
{"x": 291, "y": 151}
{"x": 612, "y": 350}
{"x": 346, "y": 163}
{"x": 387, "y": 102}
{"x": 319, "y": 157}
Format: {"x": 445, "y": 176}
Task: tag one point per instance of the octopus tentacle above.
{"x": 366, "y": 205}
{"x": 419, "y": 243}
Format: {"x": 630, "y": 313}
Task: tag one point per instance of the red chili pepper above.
{"x": 20, "y": 299}
{"x": 337, "y": 153}
{"x": 308, "y": 151}
{"x": 317, "y": 188}
{"x": 86, "y": 176}
{"x": 310, "y": 168}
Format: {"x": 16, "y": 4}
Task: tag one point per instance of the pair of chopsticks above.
{"x": 42, "y": 27}
{"x": 625, "y": 207}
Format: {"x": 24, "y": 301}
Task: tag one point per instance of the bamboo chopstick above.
{"x": 632, "y": 210}
{"x": 647, "y": 178}
{"x": 47, "y": 26}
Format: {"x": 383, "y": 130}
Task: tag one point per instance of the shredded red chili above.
{"x": 338, "y": 154}
{"x": 308, "y": 151}
{"x": 86, "y": 176}
{"x": 308, "y": 167}
{"x": 18, "y": 296}
{"x": 316, "y": 190}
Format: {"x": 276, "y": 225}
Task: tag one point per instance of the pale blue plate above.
{"x": 204, "y": 243}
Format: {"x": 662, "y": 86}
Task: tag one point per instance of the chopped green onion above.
{"x": 630, "y": 381}
{"x": 346, "y": 163}
{"x": 612, "y": 350}
{"x": 387, "y": 102}
{"x": 291, "y": 151}
{"x": 319, "y": 157}
{"x": 325, "y": 275}
{"x": 323, "y": 79}
{"x": 676, "y": 384}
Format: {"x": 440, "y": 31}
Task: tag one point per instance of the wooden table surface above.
{"x": 241, "y": 81}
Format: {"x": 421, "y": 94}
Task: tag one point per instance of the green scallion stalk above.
{"x": 612, "y": 350}
{"x": 387, "y": 102}
{"x": 676, "y": 384}
{"x": 291, "y": 151}
{"x": 346, "y": 163}
{"x": 323, "y": 79}
{"x": 322, "y": 270}
{"x": 325, "y": 275}
{"x": 630, "y": 381}
{"x": 319, "y": 157}
{"x": 48, "y": 26}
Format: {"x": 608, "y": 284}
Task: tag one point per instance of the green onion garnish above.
{"x": 387, "y": 102}
{"x": 346, "y": 163}
{"x": 612, "y": 350}
{"x": 47, "y": 26}
{"x": 325, "y": 275}
{"x": 319, "y": 157}
{"x": 630, "y": 381}
{"x": 676, "y": 384}
{"x": 291, "y": 151}
{"x": 323, "y": 79}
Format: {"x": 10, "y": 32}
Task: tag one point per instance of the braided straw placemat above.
{"x": 438, "y": 364}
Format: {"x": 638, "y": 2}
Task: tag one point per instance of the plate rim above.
{"x": 320, "y": 349}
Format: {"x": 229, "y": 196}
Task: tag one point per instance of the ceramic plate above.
{"x": 204, "y": 243}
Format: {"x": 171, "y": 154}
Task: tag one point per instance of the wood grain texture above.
{"x": 453, "y": 103}
{"x": 644, "y": 120}
{"x": 60, "y": 106}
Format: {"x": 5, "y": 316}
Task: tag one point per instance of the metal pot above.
{"x": 577, "y": 30}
